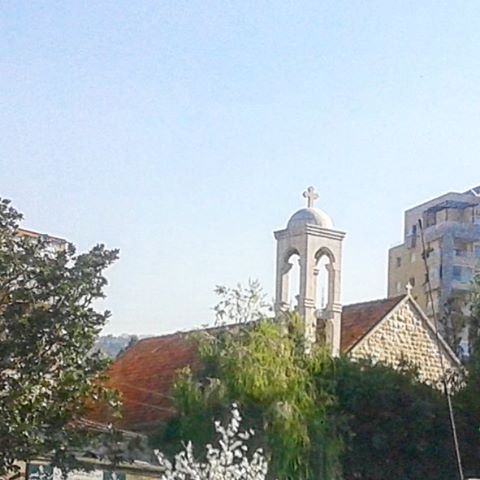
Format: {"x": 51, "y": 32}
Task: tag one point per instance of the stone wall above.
{"x": 404, "y": 336}
{"x": 99, "y": 470}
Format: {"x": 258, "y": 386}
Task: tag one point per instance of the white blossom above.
{"x": 228, "y": 460}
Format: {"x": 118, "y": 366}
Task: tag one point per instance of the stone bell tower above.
{"x": 310, "y": 235}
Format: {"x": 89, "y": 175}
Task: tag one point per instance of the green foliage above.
{"x": 467, "y": 414}
{"x": 474, "y": 318}
{"x": 399, "y": 428}
{"x": 263, "y": 367}
{"x": 321, "y": 418}
{"x": 241, "y": 304}
{"x": 48, "y": 330}
{"x": 455, "y": 321}
{"x": 260, "y": 364}
{"x": 467, "y": 399}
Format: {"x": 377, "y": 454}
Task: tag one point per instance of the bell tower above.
{"x": 310, "y": 235}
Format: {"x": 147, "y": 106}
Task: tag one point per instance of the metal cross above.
{"x": 311, "y": 195}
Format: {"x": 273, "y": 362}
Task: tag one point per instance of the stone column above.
{"x": 282, "y": 283}
{"x": 307, "y": 296}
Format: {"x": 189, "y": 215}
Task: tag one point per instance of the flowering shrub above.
{"x": 228, "y": 460}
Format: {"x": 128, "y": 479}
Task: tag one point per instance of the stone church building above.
{"x": 392, "y": 331}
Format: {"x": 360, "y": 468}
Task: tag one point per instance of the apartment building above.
{"x": 451, "y": 227}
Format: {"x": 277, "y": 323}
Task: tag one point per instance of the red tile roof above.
{"x": 359, "y": 318}
{"x": 145, "y": 373}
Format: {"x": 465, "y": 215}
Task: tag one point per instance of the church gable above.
{"x": 359, "y": 319}
{"x": 406, "y": 335}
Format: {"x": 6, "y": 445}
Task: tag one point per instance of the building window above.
{"x": 399, "y": 260}
{"x": 477, "y": 215}
{"x": 431, "y": 219}
{"x": 477, "y": 251}
{"x": 399, "y": 287}
{"x": 462, "y": 274}
{"x": 462, "y": 249}
{"x": 413, "y": 257}
{"x": 467, "y": 274}
{"x": 413, "y": 242}
{"x": 457, "y": 273}
{"x": 411, "y": 281}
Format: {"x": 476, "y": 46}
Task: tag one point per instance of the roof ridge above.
{"x": 188, "y": 332}
{"x": 214, "y": 327}
{"x": 385, "y": 299}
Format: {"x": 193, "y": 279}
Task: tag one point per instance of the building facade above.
{"x": 451, "y": 229}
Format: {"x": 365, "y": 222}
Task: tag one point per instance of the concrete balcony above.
{"x": 462, "y": 285}
{"x": 463, "y": 231}
{"x": 467, "y": 259}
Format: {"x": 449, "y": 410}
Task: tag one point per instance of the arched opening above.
{"x": 324, "y": 270}
{"x": 293, "y": 281}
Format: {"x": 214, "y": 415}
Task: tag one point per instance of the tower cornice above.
{"x": 313, "y": 230}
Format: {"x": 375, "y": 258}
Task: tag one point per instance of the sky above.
{"x": 184, "y": 133}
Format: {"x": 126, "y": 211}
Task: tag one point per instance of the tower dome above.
{"x": 310, "y": 215}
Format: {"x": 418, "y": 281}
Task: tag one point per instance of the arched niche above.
{"x": 291, "y": 278}
{"x": 324, "y": 278}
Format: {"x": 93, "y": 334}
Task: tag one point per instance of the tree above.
{"x": 467, "y": 405}
{"x": 228, "y": 461}
{"x": 474, "y": 318}
{"x": 261, "y": 365}
{"x": 454, "y": 321}
{"x": 462, "y": 316}
{"x": 398, "y": 428}
{"x": 48, "y": 329}
{"x": 317, "y": 417}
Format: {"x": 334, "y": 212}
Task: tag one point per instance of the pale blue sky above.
{"x": 185, "y": 132}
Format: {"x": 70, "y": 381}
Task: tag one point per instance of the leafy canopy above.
{"x": 317, "y": 417}
{"x": 48, "y": 329}
{"x": 262, "y": 365}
